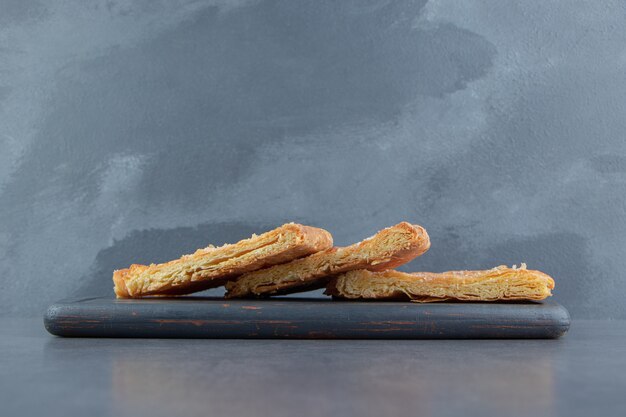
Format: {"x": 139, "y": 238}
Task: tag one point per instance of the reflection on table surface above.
{"x": 369, "y": 378}
{"x": 122, "y": 377}
{"x": 388, "y": 383}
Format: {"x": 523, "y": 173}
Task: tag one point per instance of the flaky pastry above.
{"x": 389, "y": 248}
{"x": 498, "y": 284}
{"x": 212, "y": 267}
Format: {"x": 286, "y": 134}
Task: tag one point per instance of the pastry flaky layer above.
{"x": 389, "y": 248}
{"x": 212, "y": 267}
{"x": 498, "y": 284}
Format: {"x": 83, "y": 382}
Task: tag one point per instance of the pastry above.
{"x": 212, "y": 267}
{"x": 389, "y": 248}
{"x": 498, "y": 284}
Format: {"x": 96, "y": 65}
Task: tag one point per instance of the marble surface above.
{"x": 582, "y": 374}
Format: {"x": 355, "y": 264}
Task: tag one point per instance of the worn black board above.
{"x": 302, "y": 318}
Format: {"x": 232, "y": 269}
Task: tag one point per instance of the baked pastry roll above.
{"x": 212, "y": 267}
{"x": 497, "y": 284}
{"x": 388, "y": 248}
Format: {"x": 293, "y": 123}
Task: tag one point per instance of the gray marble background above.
{"x": 141, "y": 130}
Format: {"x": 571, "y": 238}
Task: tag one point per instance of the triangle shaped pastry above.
{"x": 498, "y": 284}
{"x": 388, "y": 248}
{"x": 212, "y": 267}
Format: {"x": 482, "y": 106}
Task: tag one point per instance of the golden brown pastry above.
{"x": 497, "y": 284}
{"x": 389, "y": 248}
{"x": 211, "y": 267}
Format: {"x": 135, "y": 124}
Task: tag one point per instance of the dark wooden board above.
{"x": 301, "y": 318}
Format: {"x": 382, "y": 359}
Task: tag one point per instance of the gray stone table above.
{"x": 583, "y": 374}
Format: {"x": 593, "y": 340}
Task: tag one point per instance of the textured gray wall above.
{"x": 140, "y": 130}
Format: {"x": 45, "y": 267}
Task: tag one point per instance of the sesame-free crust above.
{"x": 212, "y": 266}
{"x": 497, "y": 284}
{"x": 388, "y": 248}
